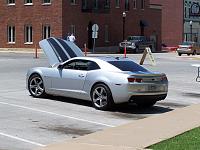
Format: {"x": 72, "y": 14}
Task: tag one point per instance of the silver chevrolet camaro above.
{"x": 103, "y": 80}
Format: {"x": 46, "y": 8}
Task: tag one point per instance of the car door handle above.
{"x": 81, "y": 76}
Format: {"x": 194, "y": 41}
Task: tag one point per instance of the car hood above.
{"x": 58, "y": 50}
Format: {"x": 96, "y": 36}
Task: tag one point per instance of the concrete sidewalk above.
{"x": 138, "y": 134}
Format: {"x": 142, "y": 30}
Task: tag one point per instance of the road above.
{"x": 30, "y": 123}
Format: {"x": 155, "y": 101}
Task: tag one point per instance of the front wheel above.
{"x": 101, "y": 97}
{"x": 36, "y": 86}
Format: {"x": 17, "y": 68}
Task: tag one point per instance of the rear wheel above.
{"x": 188, "y": 54}
{"x": 179, "y": 54}
{"x": 101, "y": 97}
{"x": 36, "y": 86}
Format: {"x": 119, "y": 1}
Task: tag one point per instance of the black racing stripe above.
{"x": 54, "y": 51}
{"x": 67, "y": 48}
{"x": 58, "y": 49}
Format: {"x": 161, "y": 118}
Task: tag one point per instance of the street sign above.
{"x": 151, "y": 56}
{"x": 148, "y": 51}
{"x": 94, "y": 35}
{"x": 95, "y": 28}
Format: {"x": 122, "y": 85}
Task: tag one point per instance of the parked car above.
{"x": 103, "y": 80}
{"x": 136, "y": 44}
{"x": 188, "y": 48}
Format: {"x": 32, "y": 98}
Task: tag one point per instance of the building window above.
{"x": 107, "y": 4}
{"x": 117, "y": 3}
{"x": 95, "y": 4}
{"x": 28, "y": 34}
{"x": 142, "y": 4}
{"x": 126, "y": 5}
{"x": 46, "y": 31}
{"x": 84, "y": 4}
{"x": 11, "y": 34}
{"x": 134, "y": 4}
{"x": 73, "y": 2}
{"x": 46, "y": 1}
{"x": 11, "y": 2}
{"x": 106, "y": 33}
{"x": 28, "y": 2}
{"x": 72, "y": 29}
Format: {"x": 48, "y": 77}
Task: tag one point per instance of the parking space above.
{"x": 29, "y": 123}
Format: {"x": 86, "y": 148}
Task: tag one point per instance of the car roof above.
{"x": 103, "y": 58}
{"x": 102, "y": 61}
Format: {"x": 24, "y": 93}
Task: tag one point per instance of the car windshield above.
{"x": 127, "y": 66}
{"x": 136, "y": 38}
{"x": 187, "y": 43}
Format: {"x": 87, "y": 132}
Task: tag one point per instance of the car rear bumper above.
{"x": 144, "y": 98}
{"x": 185, "y": 51}
{"x": 126, "y": 92}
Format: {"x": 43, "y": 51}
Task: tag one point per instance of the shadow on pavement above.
{"x": 127, "y": 108}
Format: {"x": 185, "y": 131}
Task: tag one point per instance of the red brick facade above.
{"x": 61, "y": 14}
{"x": 172, "y": 21}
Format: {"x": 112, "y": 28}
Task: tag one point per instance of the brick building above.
{"x": 180, "y": 21}
{"x": 24, "y": 23}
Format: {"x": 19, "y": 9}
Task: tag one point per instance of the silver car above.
{"x": 103, "y": 80}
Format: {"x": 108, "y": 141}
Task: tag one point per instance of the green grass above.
{"x": 187, "y": 141}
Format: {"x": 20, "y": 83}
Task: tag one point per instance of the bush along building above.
{"x": 24, "y": 23}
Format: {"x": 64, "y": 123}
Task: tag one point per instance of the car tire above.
{"x": 194, "y": 52}
{"x": 136, "y": 50}
{"x": 145, "y": 104}
{"x": 188, "y": 54}
{"x": 121, "y": 51}
{"x": 36, "y": 86}
{"x": 101, "y": 97}
{"x": 179, "y": 54}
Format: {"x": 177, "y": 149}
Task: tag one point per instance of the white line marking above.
{"x": 52, "y": 113}
{"x": 23, "y": 140}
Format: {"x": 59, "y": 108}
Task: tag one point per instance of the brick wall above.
{"x": 172, "y": 21}
{"x": 36, "y": 15}
{"x": 61, "y": 14}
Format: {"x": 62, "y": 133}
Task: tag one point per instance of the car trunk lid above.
{"x": 147, "y": 77}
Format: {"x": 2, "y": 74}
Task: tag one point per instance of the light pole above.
{"x": 124, "y": 19}
{"x": 190, "y": 30}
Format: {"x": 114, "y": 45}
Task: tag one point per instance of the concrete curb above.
{"x": 138, "y": 134}
{"x": 19, "y": 50}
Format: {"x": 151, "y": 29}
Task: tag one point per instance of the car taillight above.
{"x": 190, "y": 47}
{"x": 135, "y": 80}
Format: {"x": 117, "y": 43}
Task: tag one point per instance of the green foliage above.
{"x": 187, "y": 141}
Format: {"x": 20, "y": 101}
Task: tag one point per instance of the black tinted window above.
{"x": 93, "y": 66}
{"x": 77, "y": 65}
{"x": 127, "y": 66}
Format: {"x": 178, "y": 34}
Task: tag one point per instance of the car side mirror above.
{"x": 60, "y": 67}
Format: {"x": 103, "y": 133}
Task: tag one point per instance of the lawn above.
{"x": 187, "y": 141}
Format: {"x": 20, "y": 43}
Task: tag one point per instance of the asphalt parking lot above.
{"x": 29, "y": 123}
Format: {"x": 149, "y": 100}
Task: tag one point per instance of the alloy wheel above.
{"x": 36, "y": 86}
{"x": 100, "y": 97}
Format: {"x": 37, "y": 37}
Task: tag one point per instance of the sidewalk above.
{"x": 138, "y": 134}
{"x": 20, "y": 50}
